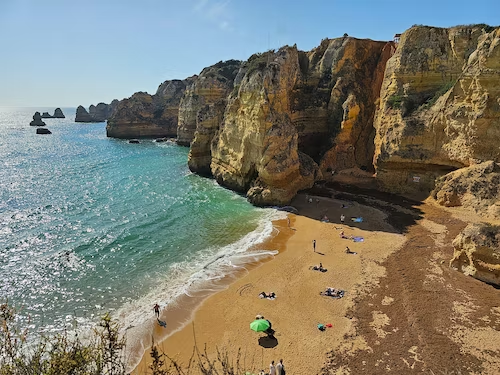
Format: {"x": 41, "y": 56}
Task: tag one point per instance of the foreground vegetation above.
{"x": 103, "y": 352}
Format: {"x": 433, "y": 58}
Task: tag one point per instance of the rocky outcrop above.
{"x": 201, "y": 112}
{"x": 148, "y": 116}
{"x": 58, "y": 113}
{"x": 477, "y": 252}
{"x": 294, "y": 115}
{"x": 43, "y": 131}
{"x": 439, "y": 106}
{"x": 82, "y": 115}
{"x": 476, "y": 188}
{"x": 37, "y": 120}
{"x": 99, "y": 113}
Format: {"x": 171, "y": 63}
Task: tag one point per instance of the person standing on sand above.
{"x": 314, "y": 245}
{"x": 272, "y": 369}
{"x": 280, "y": 369}
{"x": 156, "y": 307}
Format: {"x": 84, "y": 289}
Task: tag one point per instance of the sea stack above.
{"x": 82, "y": 115}
{"x": 58, "y": 113}
{"x": 43, "y": 131}
{"x": 46, "y": 115}
{"x": 37, "y": 120}
{"x": 98, "y": 113}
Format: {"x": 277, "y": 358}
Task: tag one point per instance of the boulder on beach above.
{"x": 37, "y": 120}
{"x": 43, "y": 131}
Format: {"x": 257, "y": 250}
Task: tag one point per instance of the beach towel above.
{"x": 357, "y": 219}
{"x": 358, "y": 239}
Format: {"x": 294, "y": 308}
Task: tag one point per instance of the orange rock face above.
{"x": 297, "y": 115}
{"x": 438, "y": 106}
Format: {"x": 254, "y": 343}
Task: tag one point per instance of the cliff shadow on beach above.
{"x": 359, "y": 207}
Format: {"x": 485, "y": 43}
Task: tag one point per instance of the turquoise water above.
{"x": 90, "y": 224}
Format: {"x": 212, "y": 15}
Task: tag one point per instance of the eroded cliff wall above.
{"x": 439, "y": 106}
{"x": 292, "y": 112}
{"x": 148, "y": 116}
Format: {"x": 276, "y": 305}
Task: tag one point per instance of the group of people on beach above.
{"x": 278, "y": 369}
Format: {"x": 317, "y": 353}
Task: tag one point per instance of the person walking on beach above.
{"x": 272, "y": 369}
{"x": 280, "y": 369}
{"x": 156, "y": 307}
{"x": 342, "y": 218}
{"x": 314, "y": 245}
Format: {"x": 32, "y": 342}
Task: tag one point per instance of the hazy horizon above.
{"x": 61, "y": 54}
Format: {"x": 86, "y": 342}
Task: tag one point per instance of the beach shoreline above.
{"x": 217, "y": 323}
{"x": 178, "y": 315}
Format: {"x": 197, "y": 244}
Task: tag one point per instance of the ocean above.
{"x": 90, "y": 224}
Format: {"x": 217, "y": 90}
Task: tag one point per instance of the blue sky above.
{"x": 71, "y": 52}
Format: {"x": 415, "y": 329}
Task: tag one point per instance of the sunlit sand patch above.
{"x": 483, "y": 343}
{"x": 380, "y": 320}
{"x": 439, "y": 231}
{"x": 387, "y": 301}
{"x": 414, "y": 359}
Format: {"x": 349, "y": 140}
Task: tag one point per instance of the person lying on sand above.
{"x": 332, "y": 292}
{"x": 271, "y": 295}
{"x": 342, "y": 235}
{"x": 319, "y": 268}
{"x": 348, "y": 251}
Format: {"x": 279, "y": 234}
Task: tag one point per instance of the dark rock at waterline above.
{"x": 43, "y": 131}
{"x": 37, "y": 120}
{"x": 46, "y": 115}
{"x": 161, "y": 140}
{"x": 134, "y": 141}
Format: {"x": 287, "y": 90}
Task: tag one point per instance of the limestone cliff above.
{"x": 292, "y": 112}
{"x": 439, "y": 106}
{"x": 476, "y": 188}
{"x": 213, "y": 84}
{"x": 148, "y": 116}
{"x": 477, "y": 252}
{"x": 201, "y": 112}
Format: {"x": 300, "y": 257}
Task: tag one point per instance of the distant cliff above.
{"x": 99, "y": 113}
{"x": 143, "y": 115}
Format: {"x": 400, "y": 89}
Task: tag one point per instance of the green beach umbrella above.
{"x": 259, "y": 325}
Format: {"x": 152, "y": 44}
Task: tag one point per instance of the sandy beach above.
{"x": 404, "y": 310}
{"x": 223, "y": 319}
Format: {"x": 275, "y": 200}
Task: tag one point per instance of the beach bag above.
{"x": 321, "y": 327}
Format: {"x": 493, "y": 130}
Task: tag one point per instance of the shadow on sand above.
{"x": 268, "y": 341}
{"x": 401, "y": 212}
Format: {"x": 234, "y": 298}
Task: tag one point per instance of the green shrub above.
{"x": 395, "y": 101}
